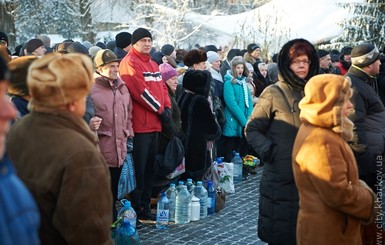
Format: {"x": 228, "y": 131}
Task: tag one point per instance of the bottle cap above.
{"x": 125, "y": 202}
{"x": 199, "y": 183}
{"x": 172, "y": 184}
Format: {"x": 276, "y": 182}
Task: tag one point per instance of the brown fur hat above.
{"x": 19, "y": 71}
{"x": 194, "y": 56}
{"x": 56, "y": 80}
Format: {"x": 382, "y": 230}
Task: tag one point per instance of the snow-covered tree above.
{"x": 366, "y": 25}
{"x": 7, "y": 23}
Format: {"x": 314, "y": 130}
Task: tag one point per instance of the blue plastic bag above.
{"x": 127, "y": 181}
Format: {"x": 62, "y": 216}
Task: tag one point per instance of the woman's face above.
{"x": 239, "y": 70}
{"x": 172, "y": 83}
{"x": 347, "y": 107}
{"x": 263, "y": 70}
{"x": 216, "y": 65}
{"x": 300, "y": 66}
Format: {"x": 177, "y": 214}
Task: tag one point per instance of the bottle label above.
{"x": 162, "y": 216}
{"x": 209, "y": 202}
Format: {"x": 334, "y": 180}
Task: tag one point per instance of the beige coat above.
{"x": 333, "y": 202}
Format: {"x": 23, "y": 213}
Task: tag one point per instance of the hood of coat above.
{"x": 323, "y": 102}
{"x": 286, "y": 74}
{"x": 197, "y": 81}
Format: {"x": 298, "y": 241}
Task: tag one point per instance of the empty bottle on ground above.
{"x": 128, "y": 212}
{"x": 211, "y": 198}
{"x": 238, "y": 165}
{"x": 201, "y": 193}
{"x": 162, "y": 212}
{"x": 183, "y": 206}
{"x": 171, "y": 195}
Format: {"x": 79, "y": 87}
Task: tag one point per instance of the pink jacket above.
{"x": 114, "y": 106}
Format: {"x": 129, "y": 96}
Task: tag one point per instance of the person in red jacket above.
{"x": 151, "y": 107}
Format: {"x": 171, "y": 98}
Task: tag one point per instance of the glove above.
{"x": 130, "y": 144}
{"x": 166, "y": 115}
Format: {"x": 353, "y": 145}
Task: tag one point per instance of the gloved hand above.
{"x": 166, "y": 115}
{"x": 130, "y": 144}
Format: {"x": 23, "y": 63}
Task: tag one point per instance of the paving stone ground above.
{"x": 235, "y": 224}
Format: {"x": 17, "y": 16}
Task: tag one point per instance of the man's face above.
{"x": 7, "y": 113}
{"x": 40, "y": 51}
{"x": 144, "y": 45}
{"x": 325, "y": 61}
{"x": 256, "y": 53}
{"x": 110, "y": 70}
{"x": 200, "y": 66}
{"x": 374, "y": 69}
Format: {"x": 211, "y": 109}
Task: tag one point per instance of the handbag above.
{"x": 172, "y": 158}
{"x": 127, "y": 180}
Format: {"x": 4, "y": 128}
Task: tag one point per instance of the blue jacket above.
{"x": 19, "y": 216}
{"x": 236, "y": 111}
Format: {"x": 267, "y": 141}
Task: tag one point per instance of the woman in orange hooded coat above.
{"x": 333, "y": 201}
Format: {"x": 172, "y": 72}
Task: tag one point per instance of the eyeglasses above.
{"x": 298, "y": 62}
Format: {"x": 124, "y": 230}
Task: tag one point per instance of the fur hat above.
{"x": 33, "y": 44}
{"x": 211, "y": 48}
{"x": 123, "y": 39}
{"x": 233, "y": 52}
{"x": 167, "y": 71}
{"x": 139, "y": 34}
{"x": 364, "y": 54}
{"x": 104, "y": 57}
{"x": 322, "y": 105}
{"x": 62, "y": 47}
{"x": 19, "y": 72}
{"x": 197, "y": 81}
{"x": 322, "y": 53}
{"x": 93, "y": 50}
{"x": 3, "y": 37}
{"x": 212, "y": 56}
{"x": 56, "y": 80}
{"x": 167, "y": 49}
{"x": 77, "y": 47}
{"x": 251, "y": 47}
{"x": 194, "y": 56}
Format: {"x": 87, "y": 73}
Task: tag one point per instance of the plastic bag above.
{"x": 127, "y": 180}
{"x": 225, "y": 174}
{"x": 178, "y": 171}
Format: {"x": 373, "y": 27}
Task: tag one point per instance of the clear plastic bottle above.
{"x": 238, "y": 165}
{"x": 195, "y": 208}
{"x": 179, "y": 187}
{"x": 171, "y": 195}
{"x": 211, "y": 198}
{"x": 162, "y": 212}
{"x": 126, "y": 234}
{"x": 183, "y": 206}
{"x": 201, "y": 193}
{"x": 190, "y": 185}
{"x": 127, "y": 212}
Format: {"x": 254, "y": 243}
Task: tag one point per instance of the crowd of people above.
{"x": 70, "y": 113}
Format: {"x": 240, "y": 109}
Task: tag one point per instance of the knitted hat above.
{"x": 104, "y": 56}
{"x": 167, "y": 49}
{"x": 194, "y": 56}
{"x": 212, "y": 56}
{"x": 93, "y": 50}
{"x": 3, "y": 37}
{"x": 139, "y": 34}
{"x": 364, "y": 54}
{"x": 123, "y": 39}
{"x": 346, "y": 50}
{"x": 56, "y": 80}
{"x": 19, "y": 72}
{"x": 33, "y": 44}
{"x": 251, "y": 47}
{"x": 322, "y": 53}
{"x": 87, "y": 44}
{"x": 167, "y": 71}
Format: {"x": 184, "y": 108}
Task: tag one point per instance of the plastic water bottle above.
{"x": 183, "y": 206}
{"x": 126, "y": 234}
{"x": 162, "y": 212}
{"x": 179, "y": 187}
{"x": 171, "y": 195}
{"x": 127, "y": 212}
{"x": 190, "y": 185}
{"x": 195, "y": 208}
{"x": 211, "y": 198}
{"x": 238, "y": 165}
{"x": 201, "y": 193}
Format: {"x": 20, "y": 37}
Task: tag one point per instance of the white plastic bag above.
{"x": 225, "y": 173}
